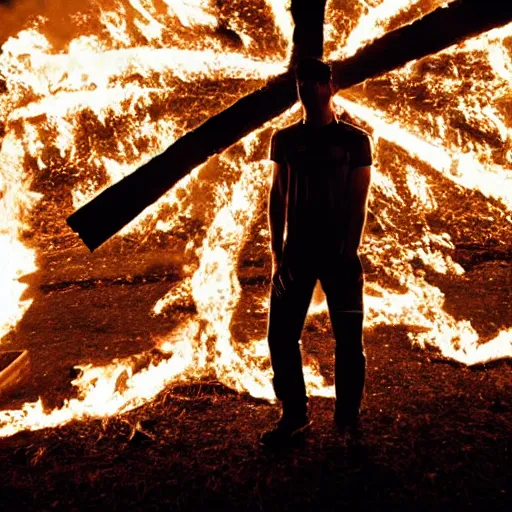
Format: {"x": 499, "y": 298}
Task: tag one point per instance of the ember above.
{"x": 82, "y": 112}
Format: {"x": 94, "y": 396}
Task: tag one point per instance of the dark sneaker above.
{"x": 287, "y": 430}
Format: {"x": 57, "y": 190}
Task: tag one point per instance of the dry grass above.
{"x": 436, "y": 434}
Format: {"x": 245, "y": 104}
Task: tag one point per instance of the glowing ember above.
{"x": 85, "y": 112}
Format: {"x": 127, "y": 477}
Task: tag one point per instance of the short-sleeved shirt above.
{"x": 318, "y": 162}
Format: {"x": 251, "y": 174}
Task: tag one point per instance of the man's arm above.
{"x": 359, "y": 186}
{"x": 277, "y": 211}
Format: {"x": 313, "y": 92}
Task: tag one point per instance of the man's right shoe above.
{"x": 287, "y": 430}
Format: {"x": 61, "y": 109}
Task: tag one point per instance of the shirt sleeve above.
{"x": 276, "y": 149}
{"x": 362, "y": 153}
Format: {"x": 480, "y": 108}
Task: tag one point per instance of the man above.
{"x": 317, "y": 212}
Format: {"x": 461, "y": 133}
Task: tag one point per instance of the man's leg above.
{"x": 343, "y": 287}
{"x": 287, "y": 313}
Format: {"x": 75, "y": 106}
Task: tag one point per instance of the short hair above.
{"x": 310, "y": 68}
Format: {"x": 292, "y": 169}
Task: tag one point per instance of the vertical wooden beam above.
{"x": 308, "y": 34}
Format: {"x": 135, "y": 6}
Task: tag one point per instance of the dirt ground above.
{"x": 436, "y": 433}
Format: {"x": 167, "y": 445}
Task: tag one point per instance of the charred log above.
{"x": 111, "y": 210}
{"x": 434, "y": 32}
{"x": 308, "y": 33}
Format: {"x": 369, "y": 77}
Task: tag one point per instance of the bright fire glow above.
{"x": 88, "y": 110}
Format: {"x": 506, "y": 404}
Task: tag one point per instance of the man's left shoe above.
{"x": 288, "y": 429}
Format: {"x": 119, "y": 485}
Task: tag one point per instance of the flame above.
{"x": 282, "y": 19}
{"x": 373, "y": 23}
{"x": 17, "y": 260}
{"x": 105, "y": 102}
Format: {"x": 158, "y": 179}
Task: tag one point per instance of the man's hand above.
{"x": 350, "y": 257}
{"x": 276, "y": 261}
{"x": 277, "y": 274}
{"x": 359, "y": 187}
{"x": 351, "y": 264}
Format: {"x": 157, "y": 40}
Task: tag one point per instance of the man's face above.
{"x": 313, "y": 94}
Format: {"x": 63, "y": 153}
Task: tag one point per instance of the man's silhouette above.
{"x": 317, "y": 212}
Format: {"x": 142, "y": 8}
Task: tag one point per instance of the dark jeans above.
{"x": 342, "y": 283}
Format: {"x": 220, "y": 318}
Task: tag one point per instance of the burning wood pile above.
{"x": 153, "y": 125}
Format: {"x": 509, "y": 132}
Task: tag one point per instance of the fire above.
{"x": 17, "y": 260}
{"x": 371, "y": 25}
{"x": 138, "y": 97}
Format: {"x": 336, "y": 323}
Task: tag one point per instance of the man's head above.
{"x": 314, "y": 83}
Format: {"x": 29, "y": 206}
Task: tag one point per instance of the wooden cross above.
{"x": 119, "y": 204}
